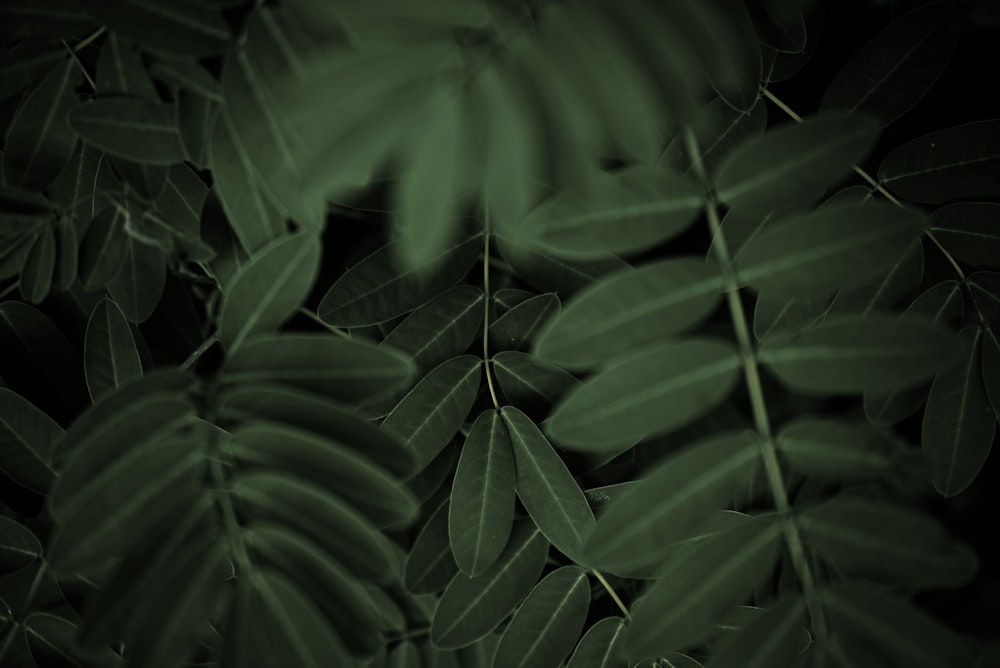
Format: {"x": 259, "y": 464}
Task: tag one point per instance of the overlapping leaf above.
{"x": 440, "y": 329}
{"x": 110, "y": 356}
{"x": 776, "y": 637}
{"x": 131, "y": 128}
{"x": 516, "y": 328}
{"x": 602, "y": 646}
{"x": 834, "y": 449}
{"x": 549, "y": 273}
{"x": 19, "y": 547}
{"x": 969, "y": 231}
{"x": 430, "y": 565}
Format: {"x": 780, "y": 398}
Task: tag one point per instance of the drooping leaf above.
{"x": 718, "y": 129}
{"x": 471, "y": 607}
{"x": 958, "y": 425}
{"x": 630, "y": 308}
{"x": 179, "y": 29}
{"x": 516, "y": 328}
{"x": 131, "y": 128}
{"x": 886, "y": 543}
{"x": 836, "y": 247}
{"x": 775, "y": 637}
{"x": 139, "y": 284}
{"x": 673, "y": 499}
{"x": 482, "y": 496}
{"x": 431, "y": 565}
{"x": 969, "y": 231}
{"x": 699, "y": 585}
{"x": 892, "y": 73}
{"x": 602, "y": 646}
{"x": 794, "y": 164}
{"x": 374, "y": 290}
{"x": 649, "y": 393}
{"x": 440, "y": 329}
{"x": 545, "y": 486}
{"x": 834, "y": 449}
{"x": 549, "y": 273}
{"x": 19, "y": 547}
{"x": 269, "y": 289}
{"x": 546, "y": 626}
{"x": 110, "y": 356}
{"x": 27, "y": 436}
{"x": 430, "y": 414}
{"x": 956, "y": 163}
{"x": 874, "y": 353}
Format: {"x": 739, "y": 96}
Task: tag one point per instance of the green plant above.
{"x": 496, "y": 332}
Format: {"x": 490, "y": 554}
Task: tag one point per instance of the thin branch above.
{"x": 611, "y": 592}
{"x": 486, "y": 308}
{"x": 79, "y": 63}
{"x": 198, "y": 352}
{"x": 312, "y": 315}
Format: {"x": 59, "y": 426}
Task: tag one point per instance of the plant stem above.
{"x": 486, "y": 307}
{"x": 758, "y": 405}
{"x": 199, "y": 351}
{"x": 79, "y": 63}
{"x": 221, "y": 489}
{"x": 611, "y": 592}
{"x": 312, "y": 315}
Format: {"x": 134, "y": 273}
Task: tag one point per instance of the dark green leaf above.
{"x": 958, "y": 426}
{"x": 779, "y": 24}
{"x": 110, "y": 356}
{"x": 507, "y": 298}
{"x": 899, "y": 284}
{"x": 440, "y": 329}
{"x": 120, "y": 70}
{"x": 52, "y": 640}
{"x": 26, "y": 63}
{"x": 602, "y": 646}
{"x": 104, "y": 248}
{"x": 482, "y": 495}
{"x": 969, "y": 231}
{"x": 774, "y": 637}
{"x": 177, "y": 28}
{"x": 516, "y": 328}
{"x": 775, "y": 315}
{"x": 374, "y": 290}
{"x": 138, "y": 285}
{"x": 957, "y": 163}
{"x": 834, "y": 449}
{"x": 628, "y": 309}
{"x": 546, "y": 626}
{"x": 134, "y": 129}
{"x": 649, "y": 393}
{"x": 37, "y": 273}
{"x": 27, "y": 436}
{"x": 431, "y": 565}
{"x": 19, "y": 547}
{"x": 147, "y": 180}
{"x": 673, "y": 500}
{"x": 196, "y": 119}
{"x": 529, "y": 382}
{"x": 269, "y": 289}
{"x": 718, "y": 129}
{"x": 874, "y": 353}
{"x": 472, "y": 607}
{"x": 984, "y": 286}
{"x": 545, "y": 486}
{"x": 990, "y": 354}
{"x": 188, "y": 75}
{"x": 430, "y": 414}
{"x": 548, "y": 273}
{"x": 794, "y": 164}
{"x": 181, "y": 202}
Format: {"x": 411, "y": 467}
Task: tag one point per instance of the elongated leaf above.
{"x": 374, "y": 291}
{"x": 110, "y": 356}
{"x": 837, "y": 247}
{"x": 482, "y": 496}
{"x": 649, "y": 393}
{"x": 834, "y": 449}
{"x": 958, "y": 426}
{"x": 699, "y": 585}
{"x": 135, "y": 129}
{"x": 528, "y": 382}
{"x": 546, "y": 627}
{"x": 52, "y": 640}
{"x": 104, "y": 248}
{"x": 776, "y": 315}
{"x": 440, "y": 329}
{"x": 516, "y": 328}
{"x": 875, "y": 353}
{"x": 893, "y": 71}
{"x": 602, "y": 646}
{"x": 794, "y": 164}
{"x": 990, "y": 355}
{"x": 899, "y": 284}
{"x": 674, "y": 498}
{"x": 472, "y": 607}
{"x": 27, "y": 62}
{"x": 956, "y": 163}
{"x": 430, "y": 414}
{"x": 549, "y": 273}
{"x": 187, "y": 75}
{"x": 718, "y": 128}
{"x": 431, "y": 565}
{"x": 545, "y": 486}
{"x": 774, "y": 638}
{"x": 19, "y": 547}
{"x": 630, "y": 308}
{"x": 984, "y": 287}
{"x": 342, "y": 369}
{"x": 139, "y": 284}
{"x": 969, "y": 231}
{"x": 269, "y": 288}
{"x": 625, "y": 212}
{"x": 902, "y": 634}
{"x": 886, "y": 543}
{"x": 37, "y": 273}
{"x": 27, "y": 436}
{"x": 120, "y": 70}
{"x": 181, "y": 29}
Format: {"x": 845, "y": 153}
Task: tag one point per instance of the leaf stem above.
{"x": 79, "y": 63}
{"x": 221, "y": 489}
{"x": 312, "y": 315}
{"x": 751, "y": 373}
{"x": 486, "y": 306}
{"x": 611, "y": 592}
{"x": 198, "y": 352}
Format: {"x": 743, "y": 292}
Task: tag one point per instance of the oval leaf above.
{"x": 110, "y": 356}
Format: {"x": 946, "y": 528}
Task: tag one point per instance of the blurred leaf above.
{"x": 110, "y": 354}
{"x": 779, "y": 23}
{"x": 775, "y": 315}
{"x": 899, "y": 284}
{"x": 628, "y": 309}
{"x": 834, "y": 449}
{"x": 175, "y": 28}
{"x": 482, "y": 495}
{"x": 969, "y": 231}
{"x": 719, "y": 129}
{"x": 19, "y": 547}
{"x": 545, "y": 486}
{"x": 958, "y": 425}
{"x": 890, "y": 74}
{"x": 956, "y": 163}
{"x": 775, "y": 637}
{"x": 649, "y": 393}
{"x": 791, "y": 166}
{"x": 548, "y": 273}
{"x": 187, "y": 75}
{"x": 516, "y": 328}
{"x": 546, "y": 626}
{"x": 135, "y": 129}
{"x": 440, "y": 329}
{"x": 27, "y": 436}
{"x": 601, "y": 646}
{"x": 431, "y": 565}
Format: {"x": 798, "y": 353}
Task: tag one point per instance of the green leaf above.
{"x": 958, "y": 425}
{"x": 430, "y": 414}
{"x": 968, "y": 231}
{"x": 189, "y": 76}
{"x": 52, "y": 640}
{"x": 834, "y": 449}
{"x": 791, "y": 166}
{"x": 180, "y": 204}
{"x": 196, "y": 119}
{"x": 874, "y": 353}
{"x": 528, "y": 382}
{"x": 135, "y": 129}
{"x": 39, "y": 143}
{"x": 180, "y": 29}
{"x": 602, "y": 646}
{"x": 471, "y": 607}
{"x": 649, "y": 393}
{"x": 774, "y": 315}
{"x": 628, "y": 309}
{"x": 548, "y": 273}
{"x": 110, "y": 356}
{"x": 625, "y": 212}
{"x": 516, "y": 328}
{"x": 440, "y": 329}
{"x": 507, "y": 298}
{"x": 37, "y": 273}
{"x": 120, "y": 70}
{"x": 842, "y": 246}
{"x": 375, "y": 291}
{"x": 19, "y": 547}
{"x": 984, "y": 286}
{"x": 139, "y": 284}
{"x": 547, "y": 625}
{"x": 269, "y": 289}
{"x": 886, "y": 543}
{"x": 482, "y": 495}
{"x": 431, "y": 565}
{"x": 27, "y": 436}
{"x": 27, "y": 62}
{"x": 352, "y": 476}
{"x": 699, "y": 585}
{"x": 951, "y": 164}
{"x": 719, "y": 129}
{"x": 342, "y": 369}
{"x": 904, "y": 635}
{"x": 890, "y": 74}
{"x": 775, "y": 637}
{"x": 674, "y": 499}
{"x": 990, "y": 355}
{"x": 103, "y": 248}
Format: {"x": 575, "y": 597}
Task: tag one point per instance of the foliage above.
{"x": 491, "y": 333}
